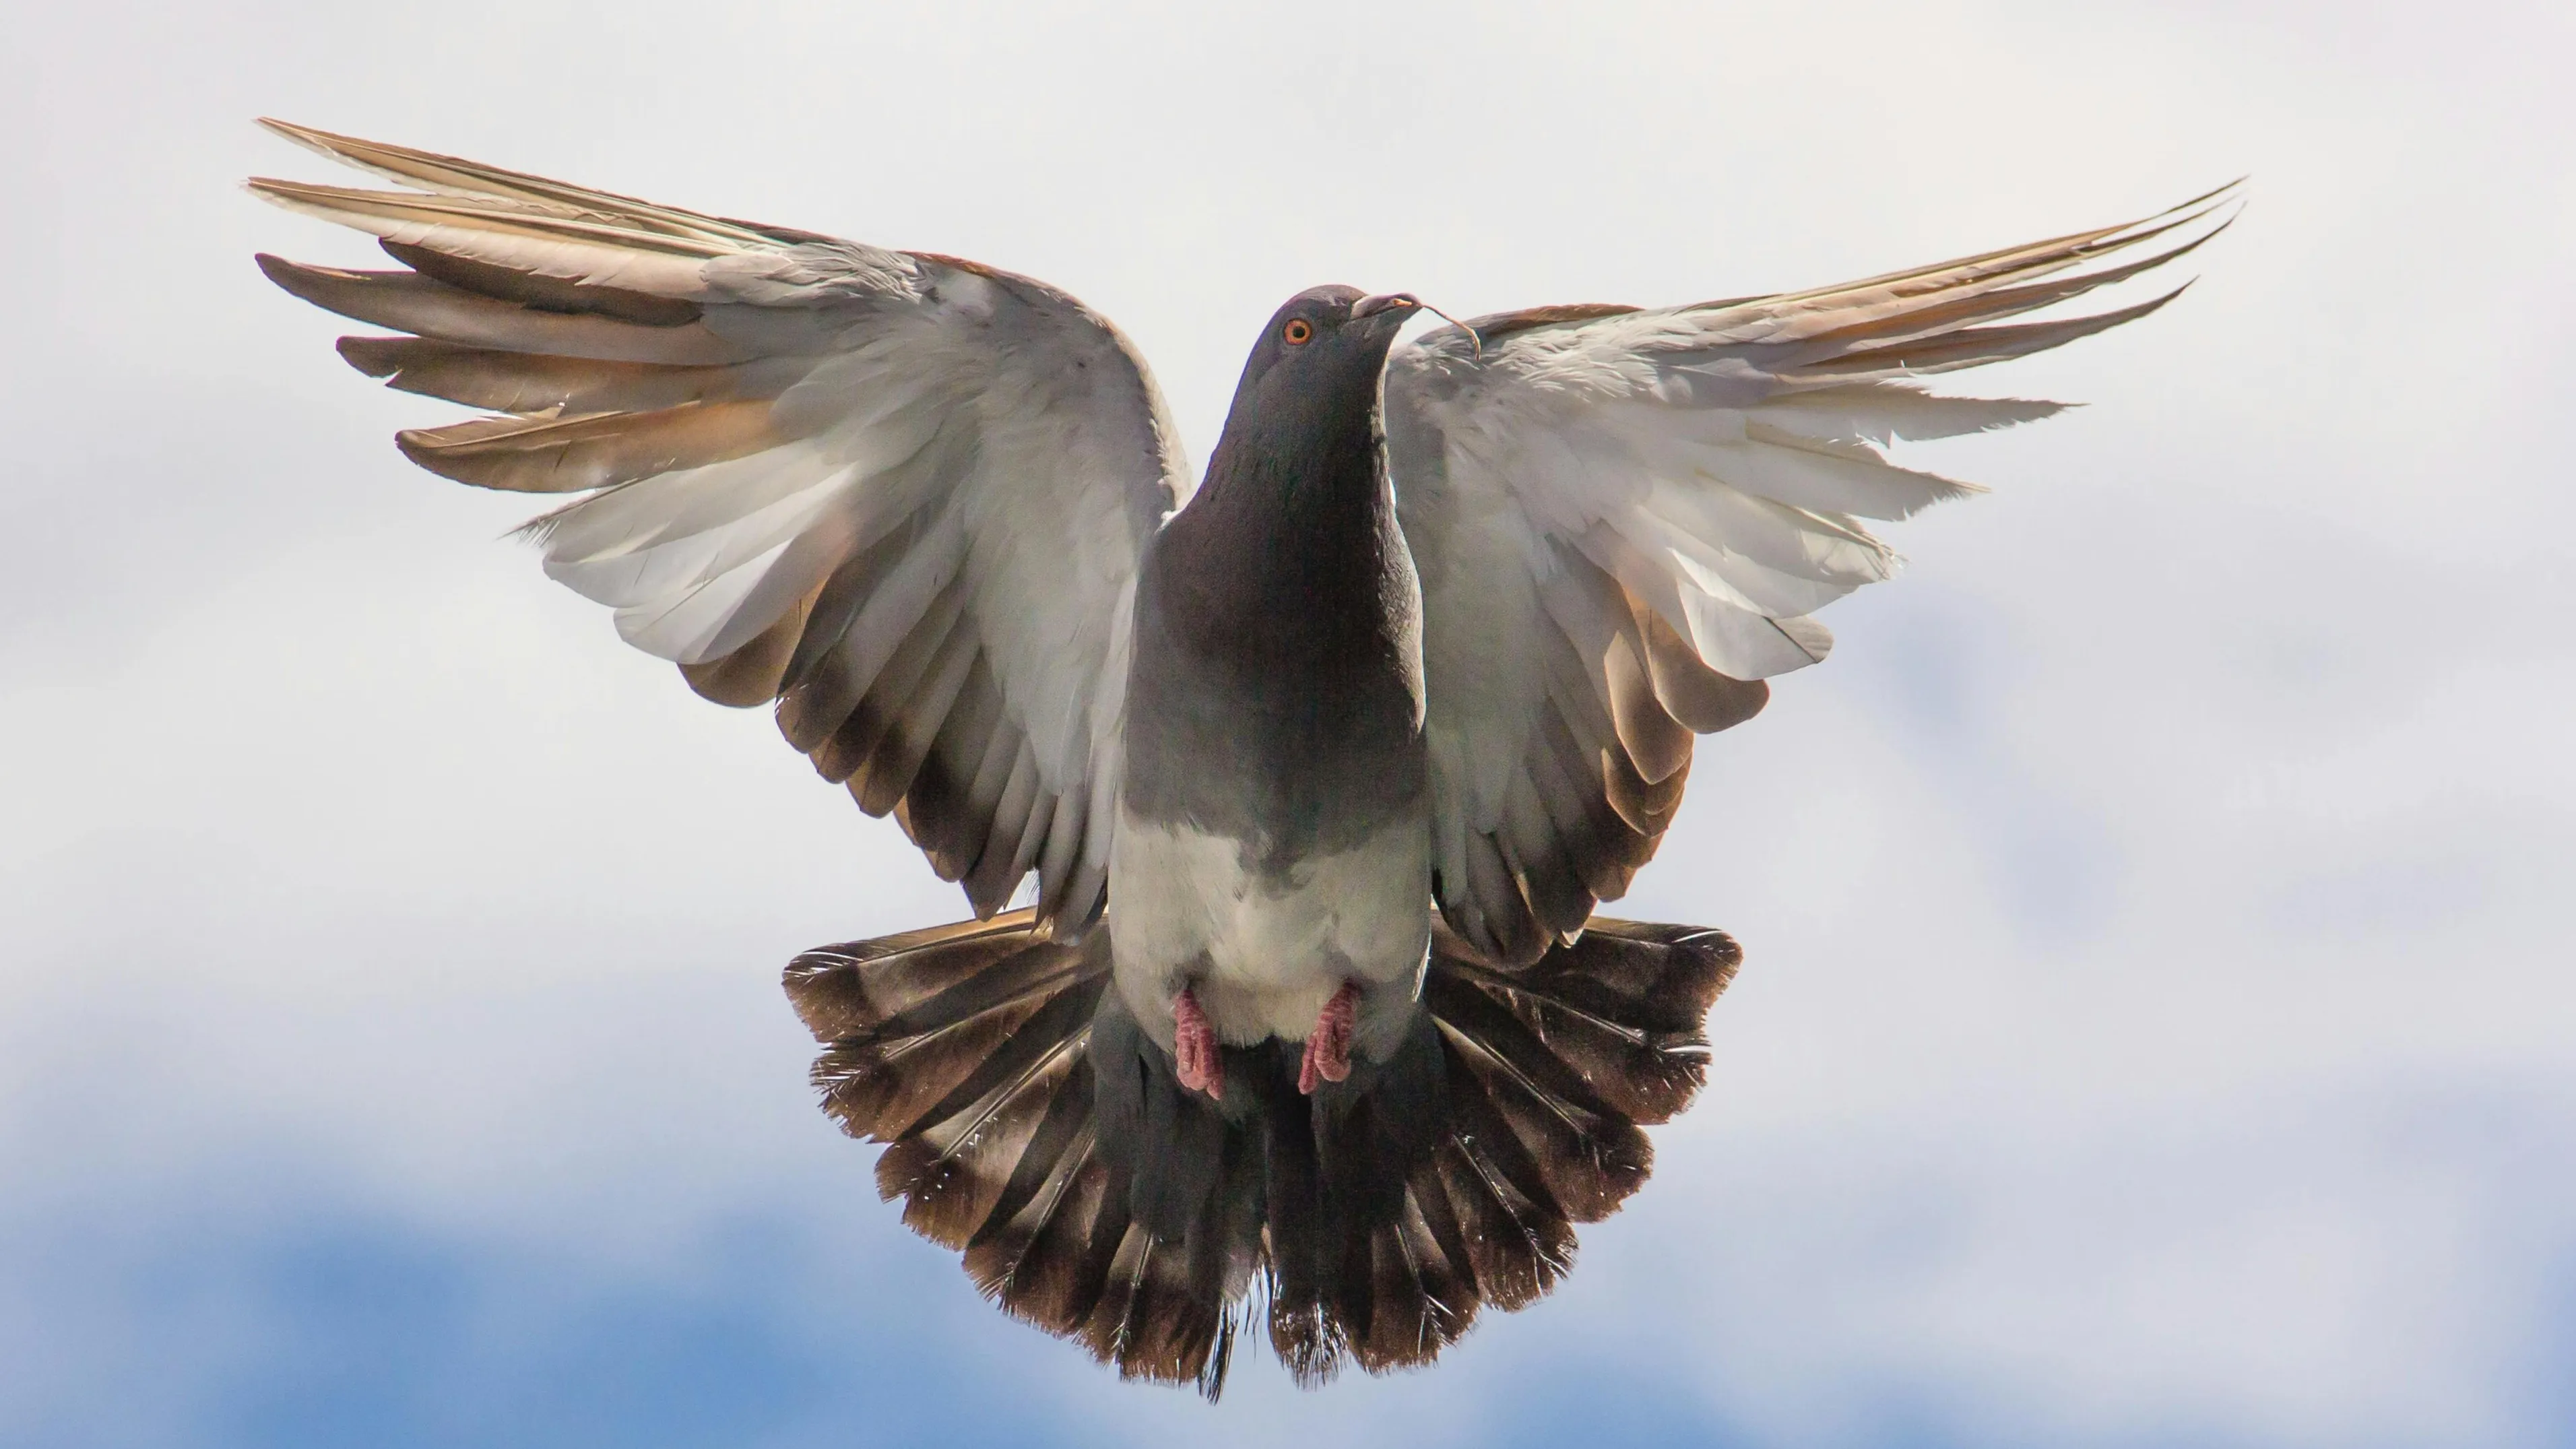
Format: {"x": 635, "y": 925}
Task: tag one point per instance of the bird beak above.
{"x": 1405, "y": 304}
{"x": 1399, "y": 302}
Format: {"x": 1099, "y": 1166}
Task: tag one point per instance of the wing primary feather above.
{"x": 1978, "y": 346}
{"x": 540, "y": 292}
{"x": 455, "y": 175}
{"x": 424, "y": 306}
{"x": 528, "y": 382}
{"x": 578, "y": 454}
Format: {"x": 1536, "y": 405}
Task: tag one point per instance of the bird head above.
{"x": 1325, "y": 345}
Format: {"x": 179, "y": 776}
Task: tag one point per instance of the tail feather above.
{"x": 956, "y": 1164}
{"x": 1423, "y": 1298}
{"x": 1575, "y": 1154}
{"x": 1450, "y": 1284}
{"x": 1518, "y": 1239}
{"x": 1622, "y": 1009}
{"x": 1379, "y": 1217}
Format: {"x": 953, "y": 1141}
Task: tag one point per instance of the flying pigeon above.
{"x": 1320, "y": 766}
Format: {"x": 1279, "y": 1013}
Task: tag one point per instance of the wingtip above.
{"x": 311, "y": 138}
{"x": 293, "y": 275}
{"x": 2177, "y": 219}
{"x": 2146, "y": 307}
{"x": 280, "y": 193}
{"x": 2231, "y": 199}
{"x": 2184, "y": 213}
{"x": 369, "y": 355}
{"x": 2223, "y": 191}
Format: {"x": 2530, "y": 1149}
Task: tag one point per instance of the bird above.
{"x": 1311, "y": 771}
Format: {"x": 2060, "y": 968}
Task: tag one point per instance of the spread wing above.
{"x": 1624, "y": 517}
{"x": 901, "y": 495}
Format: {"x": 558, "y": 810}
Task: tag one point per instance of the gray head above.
{"x": 1318, "y": 361}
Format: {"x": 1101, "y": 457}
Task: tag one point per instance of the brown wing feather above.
{"x": 531, "y": 383}
{"x": 1602, "y": 769}
{"x": 598, "y": 450}
{"x": 425, "y": 307}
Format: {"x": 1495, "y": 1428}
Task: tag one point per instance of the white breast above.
{"x": 1262, "y": 954}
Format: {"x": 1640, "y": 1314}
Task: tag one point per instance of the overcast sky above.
{"x": 2156, "y": 1025}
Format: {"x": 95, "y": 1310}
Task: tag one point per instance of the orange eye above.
{"x": 1297, "y": 332}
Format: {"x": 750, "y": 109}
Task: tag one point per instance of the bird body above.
{"x": 1317, "y": 769}
{"x": 1274, "y": 818}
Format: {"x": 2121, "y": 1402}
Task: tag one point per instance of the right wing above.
{"x": 1623, "y": 517}
{"x": 902, "y": 495}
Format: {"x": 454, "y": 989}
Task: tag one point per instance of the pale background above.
{"x": 2156, "y": 1027}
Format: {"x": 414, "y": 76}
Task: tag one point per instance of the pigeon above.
{"x": 1310, "y": 772}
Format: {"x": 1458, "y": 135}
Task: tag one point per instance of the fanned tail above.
{"x": 1031, "y": 1126}
{"x": 964, "y": 1049}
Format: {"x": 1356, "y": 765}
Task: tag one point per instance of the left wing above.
{"x": 1624, "y": 517}
{"x": 903, "y": 495}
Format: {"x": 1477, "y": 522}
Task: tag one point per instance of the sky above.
{"x": 2155, "y": 1026}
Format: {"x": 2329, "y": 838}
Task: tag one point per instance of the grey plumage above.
{"x": 1320, "y": 768}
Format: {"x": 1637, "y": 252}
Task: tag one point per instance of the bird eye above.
{"x": 1297, "y": 332}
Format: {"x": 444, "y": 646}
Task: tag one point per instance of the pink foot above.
{"x": 1328, "y": 1049}
{"x": 1194, "y": 1053}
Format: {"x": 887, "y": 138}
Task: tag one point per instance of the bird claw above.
{"x": 1194, "y": 1048}
{"x": 1328, "y": 1047}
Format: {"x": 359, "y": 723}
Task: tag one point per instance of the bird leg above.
{"x": 1328, "y": 1048}
{"x": 1194, "y": 1051}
